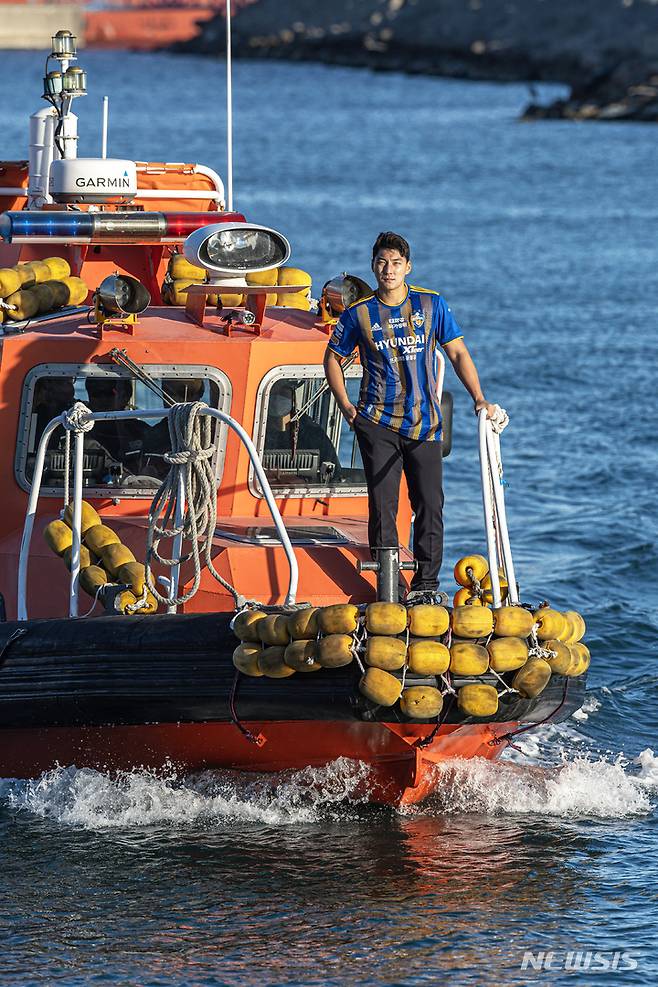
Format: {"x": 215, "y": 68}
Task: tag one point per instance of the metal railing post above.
{"x": 78, "y": 465}
{"x": 30, "y": 514}
{"x": 221, "y": 416}
{"x": 488, "y": 507}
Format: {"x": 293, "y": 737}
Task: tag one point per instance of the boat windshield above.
{"x": 305, "y": 443}
{"x": 119, "y": 455}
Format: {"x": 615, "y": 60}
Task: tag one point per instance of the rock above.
{"x": 608, "y": 57}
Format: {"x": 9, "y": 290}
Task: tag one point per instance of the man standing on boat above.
{"x": 397, "y": 420}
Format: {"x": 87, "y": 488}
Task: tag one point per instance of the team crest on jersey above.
{"x": 418, "y": 319}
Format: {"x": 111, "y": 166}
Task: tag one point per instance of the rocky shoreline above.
{"x": 605, "y": 50}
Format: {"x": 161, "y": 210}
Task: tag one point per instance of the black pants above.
{"x": 385, "y": 455}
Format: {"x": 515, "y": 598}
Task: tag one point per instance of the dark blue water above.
{"x": 543, "y": 239}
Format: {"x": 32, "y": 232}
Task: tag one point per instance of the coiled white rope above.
{"x": 192, "y": 449}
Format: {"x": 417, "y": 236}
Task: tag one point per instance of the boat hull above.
{"x": 118, "y": 693}
{"x": 399, "y": 771}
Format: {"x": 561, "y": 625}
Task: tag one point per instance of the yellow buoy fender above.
{"x": 421, "y": 702}
{"x": 85, "y": 557}
{"x": 464, "y": 597}
{"x": 478, "y": 566}
{"x": 88, "y": 517}
{"x": 58, "y": 536}
{"x": 478, "y": 699}
{"x": 562, "y": 658}
{"x": 180, "y": 267}
{"x": 513, "y": 622}
{"x": 228, "y": 301}
{"x": 506, "y": 654}
{"x": 9, "y": 281}
{"x": 40, "y": 270}
{"x": 340, "y": 618}
{"x": 295, "y": 299}
{"x": 245, "y": 625}
{"x": 92, "y": 578}
{"x": 151, "y": 603}
{"x": 301, "y": 656}
{"x": 386, "y": 618}
{"x": 388, "y": 653}
{"x": 486, "y": 586}
{"x": 472, "y": 622}
{"x": 533, "y": 678}
{"x": 293, "y": 275}
{"x": 267, "y": 278}
{"x": 25, "y": 274}
{"x": 134, "y": 575}
{"x": 335, "y": 650}
{"x": 271, "y": 663}
{"x": 428, "y": 620}
{"x": 45, "y": 297}
{"x": 114, "y": 556}
{"x": 303, "y": 624}
{"x": 580, "y": 659}
{"x": 124, "y": 600}
{"x": 380, "y": 687}
{"x": 427, "y": 657}
{"x": 59, "y": 291}
{"x": 177, "y": 291}
{"x": 245, "y": 659}
{"x": 58, "y": 268}
{"x": 98, "y": 536}
{"x": 25, "y": 305}
{"x": 77, "y": 290}
{"x": 551, "y": 624}
{"x": 467, "y": 658}
{"x": 273, "y": 629}
{"x": 575, "y": 627}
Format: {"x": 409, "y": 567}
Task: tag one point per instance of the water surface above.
{"x": 542, "y": 237}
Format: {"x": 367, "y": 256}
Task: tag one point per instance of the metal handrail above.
{"x": 95, "y": 416}
{"x": 499, "y": 550}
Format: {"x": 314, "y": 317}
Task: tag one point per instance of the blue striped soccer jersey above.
{"x": 398, "y": 349}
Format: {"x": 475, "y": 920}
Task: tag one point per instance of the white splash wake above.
{"x": 100, "y": 800}
{"x": 580, "y": 786}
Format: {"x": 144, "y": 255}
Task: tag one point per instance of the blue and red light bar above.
{"x": 66, "y": 226}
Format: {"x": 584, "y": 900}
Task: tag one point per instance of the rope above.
{"x": 77, "y": 419}
{"x": 440, "y": 720}
{"x": 139, "y": 604}
{"x": 507, "y": 737}
{"x": 98, "y": 592}
{"x": 258, "y": 739}
{"x": 192, "y": 448}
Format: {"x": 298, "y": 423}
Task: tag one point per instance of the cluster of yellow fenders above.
{"x": 38, "y": 287}
{"x": 103, "y": 559}
{"x": 181, "y": 274}
{"x": 393, "y": 642}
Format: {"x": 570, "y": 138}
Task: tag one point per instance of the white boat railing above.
{"x": 80, "y": 420}
{"x": 499, "y": 550}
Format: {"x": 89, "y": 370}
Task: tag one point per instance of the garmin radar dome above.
{"x": 93, "y": 180}
{"x": 230, "y": 251}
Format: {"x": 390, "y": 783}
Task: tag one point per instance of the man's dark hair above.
{"x": 391, "y": 241}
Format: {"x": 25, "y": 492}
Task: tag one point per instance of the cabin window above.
{"x": 304, "y": 442}
{"x": 123, "y": 457}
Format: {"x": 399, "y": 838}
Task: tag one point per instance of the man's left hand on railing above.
{"x": 497, "y": 416}
{"x": 487, "y": 405}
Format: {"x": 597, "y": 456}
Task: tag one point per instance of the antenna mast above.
{"x": 229, "y": 110}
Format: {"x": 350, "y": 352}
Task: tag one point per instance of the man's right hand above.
{"x": 349, "y": 414}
